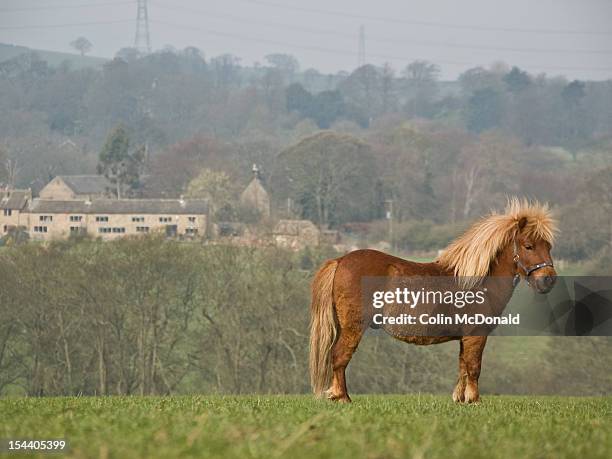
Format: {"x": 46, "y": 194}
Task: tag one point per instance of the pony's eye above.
{"x": 529, "y": 247}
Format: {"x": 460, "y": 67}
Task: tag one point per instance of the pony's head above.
{"x": 532, "y": 243}
{"x": 524, "y": 233}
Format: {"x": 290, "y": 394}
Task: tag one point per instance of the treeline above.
{"x": 171, "y": 96}
{"x": 150, "y": 316}
{"x": 439, "y": 153}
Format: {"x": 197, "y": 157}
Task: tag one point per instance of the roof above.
{"x": 14, "y": 199}
{"x": 294, "y": 227}
{"x": 121, "y": 206}
{"x": 254, "y": 190}
{"x": 87, "y": 184}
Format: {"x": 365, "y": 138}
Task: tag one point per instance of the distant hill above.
{"x": 53, "y": 58}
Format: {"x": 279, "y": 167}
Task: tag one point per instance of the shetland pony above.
{"x": 506, "y": 247}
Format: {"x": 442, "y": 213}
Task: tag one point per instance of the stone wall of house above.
{"x": 12, "y": 218}
{"x": 296, "y": 234}
{"x": 56, "y": 189}
{"x": 48, "y": 226}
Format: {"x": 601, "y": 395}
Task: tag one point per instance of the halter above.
{"x": 527, "y": 269}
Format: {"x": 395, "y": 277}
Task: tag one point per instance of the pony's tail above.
{"x": 322, "y": 328}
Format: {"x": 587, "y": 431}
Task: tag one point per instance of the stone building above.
{"x": 14, "y": 209}
{"x": 296, "y": 234}
{"x": 255, "y": 195}
{"x": 115, "y": 218}
{"x": 77, "y": 187}
{"x": 75, "y": 205}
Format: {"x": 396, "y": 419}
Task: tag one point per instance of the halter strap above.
{"x": 526, "y": 269}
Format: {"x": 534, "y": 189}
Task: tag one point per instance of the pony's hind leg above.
{"x": 342, "y": 352}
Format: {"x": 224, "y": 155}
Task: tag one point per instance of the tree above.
{"x": 328, "y": 107}
{"x": 215, "y": 186}
{"x": 82, "y": 45}
{"x": 298, "y": 99}
{"x": 128, "y": 54}
{"x": 388, "y": 88}
{"x": 421, "y": 77}
{"x": 3, "y": 171}
{"x": 363, "y": 90}
{"x": 330, "y": 176}
{"x": 172, "y": 169}
{"x": 286, "y": 64}
{"x": 484, "y": 110}
{"x": 9, "y": 169}
{"x": 120, "y": 165}
{"x": 421, "y": 71}
{"x": 575, "y": 122}
{"x": 516, "y": 80}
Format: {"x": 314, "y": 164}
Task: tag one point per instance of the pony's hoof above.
{"x": 458, "y": 395}
{"x": 471, "y": 395}
{"x": 339, "y": 398}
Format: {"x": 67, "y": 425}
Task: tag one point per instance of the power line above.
{"x": 65, "y": 6}
{"x": 344, "y": 14}
{"x": 59, "y": 26}
{"x": 425, "y": 43}
{"x": 350, "y": 53}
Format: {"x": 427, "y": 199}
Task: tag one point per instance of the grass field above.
{"x": 413, "y": 426}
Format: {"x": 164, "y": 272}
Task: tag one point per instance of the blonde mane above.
{"x": 470, "y": 256}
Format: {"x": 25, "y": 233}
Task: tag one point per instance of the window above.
{"x": 165, "y": 219}
{"x": 192, "y": 219}
{"x": 46, "y": 218}
{"x": 137, "y": 219}
{"x": 101, "y": 218}
{"x": 40, "y": 229}
{"x": 75, "y": 229}
{"x": 76, "y": 218}
{"x": 142, "y": 229}
{"x": 8, "y": 212}
{"x": 106, "y": 229}
{"x": 191, "y": 231}
{"x": 5, "y": 228}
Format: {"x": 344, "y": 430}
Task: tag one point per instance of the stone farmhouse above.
{"x": 84, "y": 205}
{"x": 79, "y": 205}
{"x": 115, "y": 218}
{"x": 77, "y": 187}
{"x": 14, "y": 209}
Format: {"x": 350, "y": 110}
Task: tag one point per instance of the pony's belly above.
{"x": 426, "y": 340}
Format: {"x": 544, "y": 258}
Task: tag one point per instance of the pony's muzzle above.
{"x": 545, "y": 282}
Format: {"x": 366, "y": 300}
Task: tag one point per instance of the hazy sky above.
{"x": 558, "y": 37}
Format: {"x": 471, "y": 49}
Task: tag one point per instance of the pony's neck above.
{"x": 499, "y": 282}
{"x": 504, "y": 265}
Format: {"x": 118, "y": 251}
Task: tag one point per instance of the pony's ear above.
{"x": 522, "y": 223}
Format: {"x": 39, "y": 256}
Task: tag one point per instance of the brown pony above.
{"x": 499, "y": 246}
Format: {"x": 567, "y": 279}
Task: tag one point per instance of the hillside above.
{"x": 54, "y": 58}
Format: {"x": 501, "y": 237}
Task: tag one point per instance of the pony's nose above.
{"x": 546, "y": 283}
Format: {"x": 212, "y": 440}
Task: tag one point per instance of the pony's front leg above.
{"x": 459, "y": 392}
{"x": 471, "y": 350}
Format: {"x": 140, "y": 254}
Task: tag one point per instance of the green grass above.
{"x": 379, "y": 426}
